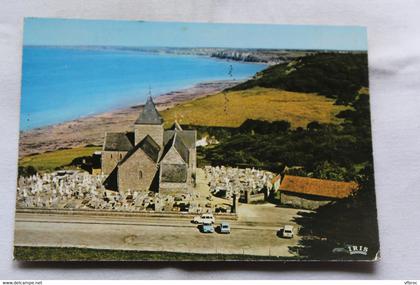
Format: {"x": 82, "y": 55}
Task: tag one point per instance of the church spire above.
{"x": 149, "y": 115}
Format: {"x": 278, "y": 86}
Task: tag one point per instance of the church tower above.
{"x": 149, "y": 123}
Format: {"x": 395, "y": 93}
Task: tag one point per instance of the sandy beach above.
{"x": 91, "y": 129}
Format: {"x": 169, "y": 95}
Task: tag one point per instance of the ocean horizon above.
{"x": 65, "y": 83}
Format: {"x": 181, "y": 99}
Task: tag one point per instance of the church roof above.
{"x": 177, "y": 142}
{"x": 176, "y": 126}
{"x": 181, "y": 148}
{"x": 148, "y": 146}
{"x": 187, "y": 136}
{"x": 119, "y": 141}
{"x": 149, "y": 115}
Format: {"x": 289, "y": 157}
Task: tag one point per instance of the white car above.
{"x": 205, "y": 219}
{"x": 224, "y": 228}
{"x": 287, "y": 231}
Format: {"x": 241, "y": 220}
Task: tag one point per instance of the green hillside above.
{"x": 335, "y": 75}
{"x": 312, "y": 88}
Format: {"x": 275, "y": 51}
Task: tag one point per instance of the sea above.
{"x": 62, "y": 83}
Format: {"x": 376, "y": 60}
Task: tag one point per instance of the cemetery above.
{"x": 245, "y": 183}
{"x": 79, "y": 190}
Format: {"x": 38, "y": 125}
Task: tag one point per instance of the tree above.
{"x": 332, "y": 171}
{"x": 26, "y": 171}
{"x": 313, "y": 126}
{"x": 327, "y": 232}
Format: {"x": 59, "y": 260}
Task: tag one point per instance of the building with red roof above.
{"x": 311, "y": 193}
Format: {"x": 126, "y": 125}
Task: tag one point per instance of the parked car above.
{"x": 224, "y": 228}
{"x": 287, "y": 231}
{"x": 204, "y": 219}
{"x": 207, "y": 228}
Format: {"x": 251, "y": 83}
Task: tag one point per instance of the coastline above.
{"x": 244, "y": 55}
{"x": 90, "y": 130}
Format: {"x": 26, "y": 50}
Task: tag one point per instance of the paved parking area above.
{"x": 254, "y": 233}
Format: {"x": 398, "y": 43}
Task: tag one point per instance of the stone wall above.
{"x": 113, "y": 213}
{"x": 110, "y": 159}
{"x": 134, "y": 175}
{"x": 254, "y": 198}
{"x": 302, "y": 201}
{"x": 193, "y": 160}
{"x": 173, "y": 188}
{"x": 154, "y": 131}
{"x": 169, "y": 180}
{"x": 173, "y": 173}
{"x": 96, "y": 171}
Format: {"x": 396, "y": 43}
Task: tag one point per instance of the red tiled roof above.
{"x": 275, "y": 179}
{"x": 318, "y": 187}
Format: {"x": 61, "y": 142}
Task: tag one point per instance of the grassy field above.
{"x": 51, "y": 160}
{"x": 232, "y": 108}
{"x": 26, "y": 253}
{"x": 228, "y": 109}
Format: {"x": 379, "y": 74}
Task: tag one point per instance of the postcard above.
{"x": 194, "y": 141}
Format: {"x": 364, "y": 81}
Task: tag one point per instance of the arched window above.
{"x": 140, "y": 174}
{"x": 111, "y": 155}
{"x": 120, "y": 155}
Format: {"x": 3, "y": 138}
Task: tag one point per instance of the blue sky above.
{"x": 42, "y": 31}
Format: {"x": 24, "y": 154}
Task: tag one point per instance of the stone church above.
{"x": 150, "y": 158}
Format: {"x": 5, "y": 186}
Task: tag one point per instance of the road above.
{"x": 254, "y": 233}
